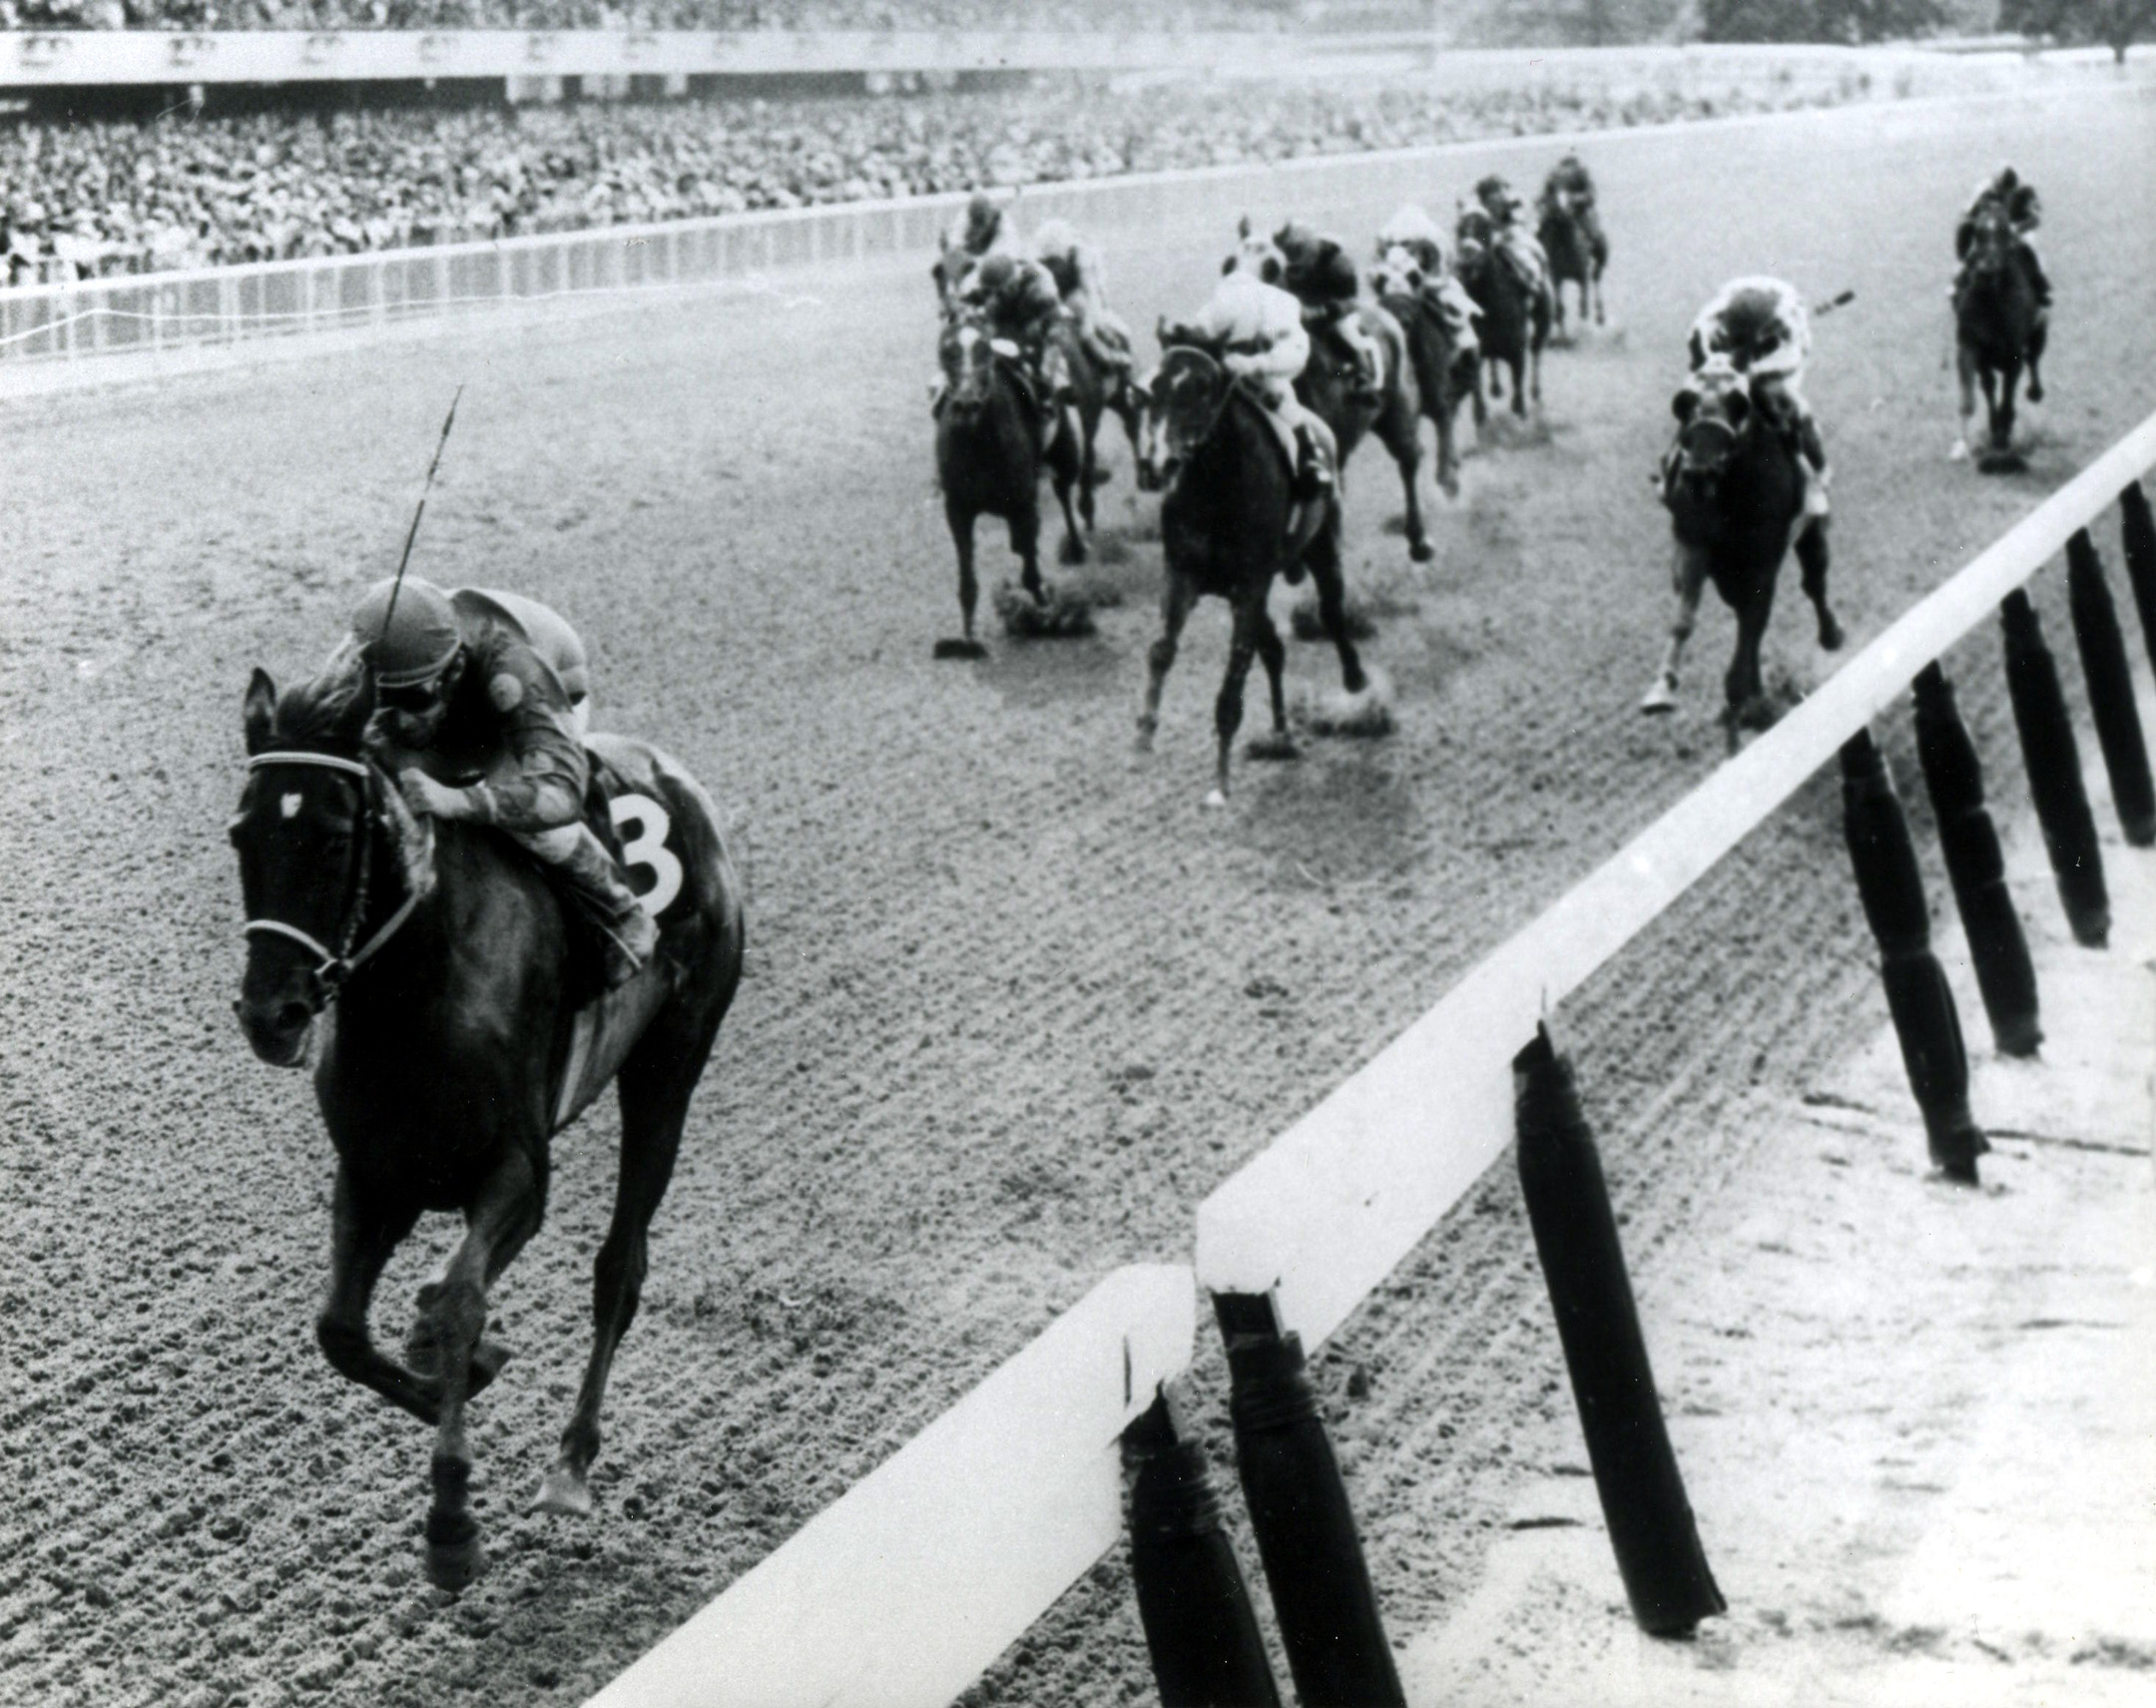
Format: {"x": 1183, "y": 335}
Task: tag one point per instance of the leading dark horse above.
{"x": 1327, "y": 386}
{"x": 1226, "y": 530}
{"x": 1735, "y": 498}
{"x": 460, "y": 1045}
{"x": 1576, "y": 255}
{"x": 1515, "y": 315}
{"x": 991, "y": 444}
{"x": 1998, "y": 327}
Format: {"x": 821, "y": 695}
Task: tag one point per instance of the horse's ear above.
{"x": 259, "y": 714}
{"x": 352, "y": 719}
{"x": 1685, "y": 404}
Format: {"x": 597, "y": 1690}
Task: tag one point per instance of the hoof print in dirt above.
{"x": 1309, "y": 626}
{"x": 960, "y": 648}
{"x": 1066, "y": 616}
{"x": 1334, "y": 711}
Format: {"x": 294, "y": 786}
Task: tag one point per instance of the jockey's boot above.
{"x": 628, "y": 935}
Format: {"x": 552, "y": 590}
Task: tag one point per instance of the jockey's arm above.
{"x": 546, "y": 791}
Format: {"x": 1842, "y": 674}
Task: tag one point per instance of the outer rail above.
{"x": 1325, "y": 1213}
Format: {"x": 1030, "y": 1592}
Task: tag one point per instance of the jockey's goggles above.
{"x": 411, "y": 697}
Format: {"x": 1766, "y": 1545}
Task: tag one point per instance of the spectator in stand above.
{"x": 207, "y": 15}
{"x": 86, "y": 198}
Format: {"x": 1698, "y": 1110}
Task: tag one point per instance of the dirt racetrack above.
{"x": 1015, "y": 1000}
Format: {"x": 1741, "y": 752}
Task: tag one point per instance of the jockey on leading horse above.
{"x": 482, "y": 703}
{"x": 1760, "y": 327}
{"x": 1514, "y": 239}
{"x": 1017, "y": 300}
{"x": 1075, "y": 266}
{"x": 1317, "y": 273}
{"x": 2010, "y": 196}
{"x": 1413, "y": 230}
{"x": 1258, "y": 331}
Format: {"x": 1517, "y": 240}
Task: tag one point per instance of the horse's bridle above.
{"x": 335, "y": 966}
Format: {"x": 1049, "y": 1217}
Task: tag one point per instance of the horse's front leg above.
{"x": 1406, "y": 450}
{"x": 1026, "y": 541}
{"x": 1324, "y": 558}
{"x": 1744, "y": 696}
{"x": 1688, "y": 577}
{"x": 1228, "y": 707}
{"x": 962, "y": 532}
{"x": 1071, "y": 468}
{"x": 1519, "y": 385}
{"x": 363, "y": 1233}
{"x": 1965, "y": 375}
{"x": 1177, "y": 597}
{"x": 508, "y": 1213}
{"x": 1811, "y": 555}
{"x": 2002, "y": 414}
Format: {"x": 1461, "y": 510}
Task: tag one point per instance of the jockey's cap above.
{"x": 983, "y": 218}
{"x": 420, "y": 635}
{"x": 994, "y": 271}
{"x": 1294, "y": 235}
{"x": 1493, "y": 185}
{"x": 1056, "y": 237}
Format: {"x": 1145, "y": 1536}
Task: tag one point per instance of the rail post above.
{"x": 1200, "y": 1628}
{"x": 2053, "y": 759}
{"x": 1891, "y": 889}
{"x": 1336, "y": 1648}
{"x": 2137, "y": 539}
{"x": 1953, "y": 776}
{"x": 1651, "y": 1526}
{"x": 2110, "y": 689}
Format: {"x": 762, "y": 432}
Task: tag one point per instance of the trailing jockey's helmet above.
{"x": 412, "y": 643}
{"x": 983, "y": 219}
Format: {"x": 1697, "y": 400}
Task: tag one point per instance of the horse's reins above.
{"x": 338, "y": 964}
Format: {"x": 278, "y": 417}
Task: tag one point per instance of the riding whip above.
{"x": 1831, "y": 304}
{"x": 412, "y": 533}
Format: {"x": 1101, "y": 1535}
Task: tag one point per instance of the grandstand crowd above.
{"x": 93, "y": 199}
{"x": 325, "y": 15}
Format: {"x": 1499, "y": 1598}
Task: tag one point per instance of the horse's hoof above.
{"x": 1072, "y": 550}
{"x": 455, "y": 1567}
{"x": 1662, "y": 697}
{"x": 2036, "y": 393}
{"x": 564, "y": 1491}
{"x": 1757, "y": 713}
{"x": 1217, "y": 797}
{"x": 1830, "y": 635}
{"x": 1421, "y": 551}
{"x": 960, "y": 648}
{"x": 1279, "y": 745}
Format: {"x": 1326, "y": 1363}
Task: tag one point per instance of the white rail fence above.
{"x": 153, "y": 313}
{"x": 905, "y": 1589}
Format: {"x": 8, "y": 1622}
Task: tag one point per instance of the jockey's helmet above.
{"x": 994, "y": 275}
{"x": 1056, "y": 237}
{"x": 983, "y": 219}
{"x": 412, "y": 643}
{"x": 1295, "y": 238}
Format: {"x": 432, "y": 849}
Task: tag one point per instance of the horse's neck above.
{"x": 1226, "y": 472}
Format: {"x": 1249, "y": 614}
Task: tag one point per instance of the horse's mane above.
{"x": 319, "y": 709}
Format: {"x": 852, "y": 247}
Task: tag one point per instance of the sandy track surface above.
{"x": 1015, "y": 1002}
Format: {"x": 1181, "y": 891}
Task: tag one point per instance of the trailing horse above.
{"x": 1736, "y": 500}
{"x": 1096, "y": 390}
{"x": 990, "y": 445}
{"x": 1327, "y": 386}
{"x": 1576, "y": 256}
{"x": 1445, "y": 373}
{"x": 468, "y": 1031}
{"x": 1515, "y": 315}
{"x": 1228, "y": 526}
{"x": 1998, "y": 327}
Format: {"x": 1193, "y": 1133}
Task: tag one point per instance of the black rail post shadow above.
{"x": 2110, "y": 689}
{"x": 1336, "y": 1648}
{"x": 1954, "y": 778}
{"x": 1199, "y": 1624}
{"x": 1924, "y": 1018}
{"x": 1651, "y": 1527}
{"x": 2053, "y": 759}
{"x": 2137, "y": 540}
